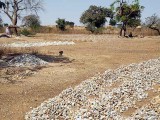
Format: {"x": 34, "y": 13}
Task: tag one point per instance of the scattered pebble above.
{"x": 36, "y": 44}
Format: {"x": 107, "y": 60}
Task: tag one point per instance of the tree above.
{"x": 112, "y": 22}
{"x": 61, "y": 24}
{"x": 127, "y": 14}
{"x": 153, "y": 22}
{"x": 14, "y": 8}
{"x": 71, "y": 24}
{"x": 31, "y": 21}
{"x": 1, "y": 21}
{"x": 95, "y": 17}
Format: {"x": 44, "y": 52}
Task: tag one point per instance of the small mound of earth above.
{"x": 26, "y": 60}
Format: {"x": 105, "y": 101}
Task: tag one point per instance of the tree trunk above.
{"x": 123, "y": 28}
{"x": 14, "y": 22}
{"x": 121, "y": 31}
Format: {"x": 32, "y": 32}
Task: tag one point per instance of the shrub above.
{"x": 71, "y": 24}
{"x": 112, "y": 22}
{"x": 26, "y": 32}
{"x": 61, "y": 24}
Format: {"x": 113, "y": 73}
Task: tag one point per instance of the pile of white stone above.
{"x": 36, "y": 44}
{"x": 83, "y": 37}
{"x": 26, "y": 60}
{"x": 105, "y": 96}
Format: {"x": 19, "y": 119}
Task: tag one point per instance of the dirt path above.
{"x": 88, "y": 58}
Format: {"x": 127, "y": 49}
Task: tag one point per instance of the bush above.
{"x": 61, "y": 24}
{"x": 99, "y": 30}
{"x": 112, "y": 22}
{"x": 26, "y": 32}
{"x": 71, "y": 24}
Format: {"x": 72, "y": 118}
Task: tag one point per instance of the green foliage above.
{"x": 134, "y": 22}
{"x": 91, "y": 28}
{"x": 95, "y": 17}
{"x": 127, "y": 14}
{"x": 71, "y": 24}
{"x": 32, "y": 21}
{"x": 61, "y": 24}
{"x": 5, "y": 24}
{"x": 112, "y": 22}
{"x": 26, "y": 32}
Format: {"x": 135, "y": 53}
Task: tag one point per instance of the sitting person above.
{"x": 8, "y": 31}
{"x": 130, "y": 35}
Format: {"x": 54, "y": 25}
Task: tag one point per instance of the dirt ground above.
{"x": 87, "y": 58}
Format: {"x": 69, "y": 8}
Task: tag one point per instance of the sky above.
{"x": 71, "y": 10}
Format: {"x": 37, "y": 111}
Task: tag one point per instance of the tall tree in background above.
{"x": 95, "y": 17}
{"x": 14, "y": 8}
{"x": 32, "y": 21}
{"x": 1, "y": 21}
{"x": 127, "y": 14}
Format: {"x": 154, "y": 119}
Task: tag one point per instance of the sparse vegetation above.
{"x": 8, "y": 50}
{"x": 26, "y": 32}
{"x": 153, "y": 23}
{"x": 70, "y": 24}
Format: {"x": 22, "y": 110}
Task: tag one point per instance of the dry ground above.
{"x": 87, "y": 59}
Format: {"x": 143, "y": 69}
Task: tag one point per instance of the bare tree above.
{"x": 14, "y": 8}
{"x": 153, "y": 22}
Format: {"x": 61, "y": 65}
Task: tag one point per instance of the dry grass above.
{"x": 7, "y": 51}
{"x": 81, "y": 30}
{"x": 107, "y": 30}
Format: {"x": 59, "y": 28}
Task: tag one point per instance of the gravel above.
{"x": 26, "y": 60}
{"x": 37, "y": 44}
{"x": 106, "y": 96}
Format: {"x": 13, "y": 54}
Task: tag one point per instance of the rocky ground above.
{"x": 20, "y": 66}
{"x": 26, "y": 60}
{"x": 36, "y": 44}
{"x": 93, "y": 99}
{"x": 27, "y": 87}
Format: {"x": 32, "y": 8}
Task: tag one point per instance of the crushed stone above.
{"x": 36, "y": 44}
{"x": 26, "y": 60}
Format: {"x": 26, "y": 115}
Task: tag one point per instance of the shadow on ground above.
{"x": 12, "y": 75}
{"x": 54, "y": 59}
{"x": 47, "y": 58}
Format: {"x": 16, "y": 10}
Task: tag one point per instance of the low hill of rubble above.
{"x": 25, "y": 60}
{"x": 108, "y": 96}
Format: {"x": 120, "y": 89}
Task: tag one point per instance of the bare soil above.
{"x": 86, "y": 59}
